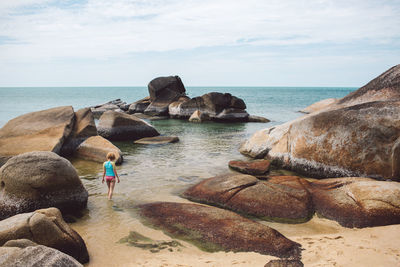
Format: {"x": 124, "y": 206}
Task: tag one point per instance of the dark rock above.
{"x": 44, "y": 130}
{"x": 216, "y": 229}
{"x": 253, "y": 118}
{"x": 233, "y": 115}
{"x": 258, "y": 167}
{"x": 37, "y": 180}
{"x": 139, "y": 106}
{"x": 283, "y": 198}
{"x": 123, "y": 127}
{"x": 45, "y": 227}
{"x": 158, "y": 140}
{"x": 84, "y": 127}
{"x": 163, "y": 91}
{"x": 96, "y": 149}
{"x": 284, "y": 263}
{"x": 357, "y": 202}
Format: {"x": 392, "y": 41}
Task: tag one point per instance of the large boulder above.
{"x": 84, "y": 128}
{"x": 218, "y": 106}
{"x": 123, "y": 127}
{"x": 357, "y": 202}
{"x": 44, "y": 130}
{"x": 23, "y": 252}
{"x": 257, "y": 167}
{"x": 96, "y": 149}
{"x": 114, "y": 105}
{"x": 217, "y": 229}
{"x": 320, "y": 105}
{"x": 283, "y": 198}
{"x": 40, "y": 179}
{"x": 163, "y": 91}
{"x": 44, "y": 227}
{"x": 139, "y": 106}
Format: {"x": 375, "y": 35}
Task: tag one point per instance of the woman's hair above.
{"x": 110, "y": 156}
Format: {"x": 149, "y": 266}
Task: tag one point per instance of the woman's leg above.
{"x": 111, "y": 190}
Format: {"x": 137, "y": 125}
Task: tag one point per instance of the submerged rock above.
{"x": 216, "y": 229}
{"x": 45, "y": 227}
{"x": 123, "y": 127}
{"x": 253, "y": 118}
{"x": 137, "y": 240}
{"x": 163, "y": 91}
{"x": 258, "y": 167}
{"x": 283, "y": 198}
{"x": 84, "y": 128}
{"x": 158, "y": 140}
{"x": 44, "y": 130}
{"x": 35, "y": 180}
{"x": 96, "y": 149}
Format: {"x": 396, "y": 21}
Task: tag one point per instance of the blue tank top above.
{"x": 109, "y": 168}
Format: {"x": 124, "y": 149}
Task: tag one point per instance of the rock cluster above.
{"x": 357, "y": 135}
{"x": 353, "y": 202}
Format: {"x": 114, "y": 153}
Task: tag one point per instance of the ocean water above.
{"x": 161, "y": 172}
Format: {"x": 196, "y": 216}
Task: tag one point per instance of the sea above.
{"x": 159, "y": 172}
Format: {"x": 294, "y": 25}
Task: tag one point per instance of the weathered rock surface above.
{"x": 320, "y": 105}
{"x": 258, "y": 167}
{"x": 35, "y": 180}
{"x": 284, "y": 263}
{"x": 218, "y": 229}
{"x": 253, "y": 118}
{"x": 199, "y": 116}
{"x": 357, "y": 202}
{"x": 44, "y": 130}
{"x": 84, "y": 128}
{"x": 283, "y": 198}
{"x": 158, "y": 140}
{"x": 218, "y": 106}
{"x": 45, "y": 227}
{"x": 139, "y": 106}
{"x": 114, "y": 105}
{"x": 18, "y": 253}
{"x": 96, "y": 148}
{"x": 163, "y": 91}
{"x": 123, "y": 127}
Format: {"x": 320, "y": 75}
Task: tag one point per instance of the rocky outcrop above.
{"x": 320, "y": 105}
{"x": 123, "y": 127}
{"x": 158, "y": 140}
{"x": 84, "y": 128}
{"x": 283, "y": 198}
{"x": 199, "y": 116}
{"x": 114, "y": 105}
{"x": 23, "y": 252}
{"x": 217, "y": 106}
{"x": 357, "y": 202}
{"x": 44, "y": 227}
{"x": 163, "y": 91}
{"x": 139, "y": 106}
{"x": 217, "y": 229}
{"x": 44, "y": 130}
{"x": 96, "y": 149}
{"x": 36, "y": 180}
{"x": 253, "y": 118}
{"x": 257, "y": 167}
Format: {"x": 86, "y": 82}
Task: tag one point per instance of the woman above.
{"x": 110, "y": 172}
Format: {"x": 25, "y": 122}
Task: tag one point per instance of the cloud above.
{"x": 101, "y": 29}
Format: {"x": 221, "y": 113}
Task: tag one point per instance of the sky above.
{"x": 205, "y": 42}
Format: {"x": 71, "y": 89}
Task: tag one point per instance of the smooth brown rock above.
{"x": 218, "y": 229}
{"x": 84, "y": 127}
{"x": 283, "y": 198}
{"x": 45, "y": 227}
{"x": 117, "y": 126}
{"x": 320, "y": 105}
{"x": 158, "y": 140}
{"x": 357, "y": 202}
{"x": 40, "y": 179}
{"x": 44, "y": 130}
{"x": 253, "y": 118}
{"x": 199, "y": 116}
{"x": 139, "y": 106}
{"x": 96, "y": 149}
{"x": 258, "y": 167}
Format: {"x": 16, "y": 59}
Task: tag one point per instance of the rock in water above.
{"x": 37, "y": 180}
{"x": 283, "y": 198}
{"x": 123, "y": 127}
{"x": 357, "y": 202}
{"x": 199, "y": 116}
{"x": 158, "y": 140}
{"x": 258, "y": 167}
{"x": 44, "y": 227}
{"x": 84, "y": 128}
{"x": 35, "y": 255}
{"x": 37, "y": 131}
{"x": 218, "y": 229}
{"x": 139, "y": 106}
{"x": 96, "y": 149}
{"x": 320, "y": 105}
{"x": 163, "y": 91}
